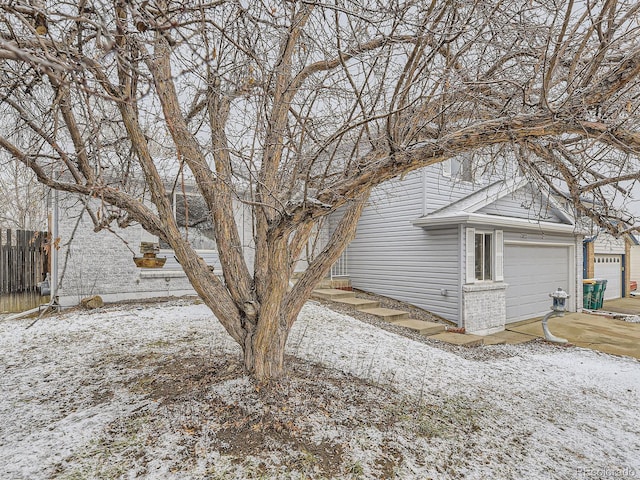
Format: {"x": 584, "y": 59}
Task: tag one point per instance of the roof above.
{"x": 469, "y": 210}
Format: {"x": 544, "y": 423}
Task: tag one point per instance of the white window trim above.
{"x": 497, "y": 255}
{"x": 484, "y": 234}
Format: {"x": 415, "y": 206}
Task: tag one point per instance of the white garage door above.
{"x": 609, "y": 267}
{"x": 533, "y": 272}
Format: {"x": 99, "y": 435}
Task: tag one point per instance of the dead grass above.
{"x": 157, "y": 392}
{"x": 315, "y": 424}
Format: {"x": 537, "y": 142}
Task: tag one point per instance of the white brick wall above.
{"x": 99, "y": 263}
{"x": 484, "y": 308}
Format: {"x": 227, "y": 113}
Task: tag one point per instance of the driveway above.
{"x": 602, "y": 331}
{"x": 629, "y": 306}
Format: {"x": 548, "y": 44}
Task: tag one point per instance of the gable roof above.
{"x": 483, "y": 208}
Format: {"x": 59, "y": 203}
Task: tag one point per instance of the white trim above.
{"x": 461, "y": 267}
{"x": 491, "y": 234}
{"x": 494, "y": 221}
{"x": 559, "y": 209}
{"x": 162, "y": 273}
{"x": 498, "y": 255}
{"x": 536, "y": 242}
{"x": 482, "y": 198}
{"x": 470, "y": 255}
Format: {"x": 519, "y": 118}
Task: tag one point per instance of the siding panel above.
{"x": 523, "y": 204}
{"x": 608, "y": 244}
{"x": 391, "y": 257}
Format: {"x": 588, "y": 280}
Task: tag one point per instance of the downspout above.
{"x": 54, "y": 270}
{"x": 592, "y": 238}
{"x": 461, "y": 264}
{"x": 54, "y": 250}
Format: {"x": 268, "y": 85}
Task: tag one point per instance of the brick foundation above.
{"x": 484, "y": 309}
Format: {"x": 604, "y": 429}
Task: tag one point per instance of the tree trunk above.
{"x": 265, "y": 360}
{"x": 264, "y": 345}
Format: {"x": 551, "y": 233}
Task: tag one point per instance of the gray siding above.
{"x": 391, "y": 257}
{"x": 440, "y": 191}
{"x": 523, "y": 203}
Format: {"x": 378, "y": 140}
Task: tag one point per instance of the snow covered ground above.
{"x": 154, "y": 391}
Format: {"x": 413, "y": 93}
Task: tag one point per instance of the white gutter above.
{"x": 461, "y": 265}
{"x": 494, "y": 221}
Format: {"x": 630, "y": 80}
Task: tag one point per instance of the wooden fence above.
{"x": 24, "y": 263}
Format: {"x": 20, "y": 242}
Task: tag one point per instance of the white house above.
{"x": 616, "y": 260}
{"x": 481, "y": 253}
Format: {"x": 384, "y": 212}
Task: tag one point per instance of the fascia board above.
{"x": 494, "y": 221}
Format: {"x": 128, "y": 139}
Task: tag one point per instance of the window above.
{"x": 484, "y": 255}
{"x": 194, "y": 221}
{"x": 460, "y": 168}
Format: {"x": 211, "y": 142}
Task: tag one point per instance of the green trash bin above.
{"x": 597, "y": 297}
{"x": 601, "y": 298}
{"x": 587, "y": 294}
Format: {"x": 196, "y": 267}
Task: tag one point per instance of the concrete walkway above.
{"x": 599, "y": 331}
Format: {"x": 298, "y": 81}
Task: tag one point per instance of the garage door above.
{"x": 533, "y": 272}
{"x": 609, "y": 267}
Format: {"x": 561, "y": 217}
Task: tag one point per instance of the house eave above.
{"x": 480, "y": 219}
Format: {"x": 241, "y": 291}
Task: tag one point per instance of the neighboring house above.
{"x": 634, "y": 261}
{"x": 481, "y": 253}
{"x": 612, "y": 259}
{"x": 101, "y": 263}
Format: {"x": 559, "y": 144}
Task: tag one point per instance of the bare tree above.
{"x": 300, "y": 108}
{"x": 22, "y": 198}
